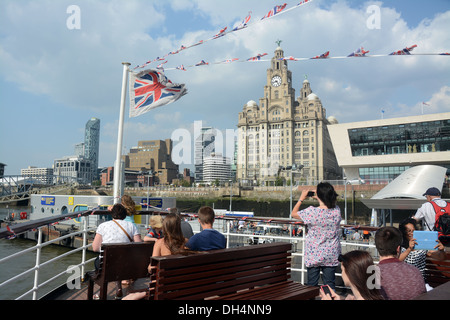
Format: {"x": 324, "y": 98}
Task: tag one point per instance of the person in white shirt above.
{"x": 426, "y": 212}
{"x": 116, "y": 231}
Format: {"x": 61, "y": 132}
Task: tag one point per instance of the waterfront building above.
{"x": 2, "y": 169}
{"x": 383, "y": 149}
{"x": 216, "y": 168}
{"x": 153, "y": 157}
{"x": 79, "y": 149}
{"x": 204, "y": 146}
{"x": 43, "y": 175}
{"x": 284, "y": 130}
{"x": 77, "y": 167}
{"x": 92, "y": 144}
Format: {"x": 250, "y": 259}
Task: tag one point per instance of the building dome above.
{"x": 332, "y": 120}
{"x": 313, "y": 96}
{"x": 252, "y": 103}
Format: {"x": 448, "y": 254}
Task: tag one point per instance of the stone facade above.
{"x": 284, "y": 130}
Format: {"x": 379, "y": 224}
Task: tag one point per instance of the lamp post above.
{"x": 231, "y": 192}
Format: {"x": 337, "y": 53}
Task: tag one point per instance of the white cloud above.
{"x": 81, "y": 69}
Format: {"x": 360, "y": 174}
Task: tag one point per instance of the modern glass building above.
{"x": 92, "y": 144}
{"x": 383, "y": 149}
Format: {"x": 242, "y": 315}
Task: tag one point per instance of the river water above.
{"x": 10, "y": 268}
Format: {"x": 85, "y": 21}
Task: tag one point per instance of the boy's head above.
{"x": 206, "y": 215}
{"x": 387, "y": 241}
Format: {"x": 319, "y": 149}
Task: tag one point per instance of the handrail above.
{"x": 226, "y": 229}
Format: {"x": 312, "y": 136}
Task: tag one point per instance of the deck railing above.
{"x": 227, "y": 225}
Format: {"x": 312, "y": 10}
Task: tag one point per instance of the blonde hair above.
{"x": 129, "y": 204}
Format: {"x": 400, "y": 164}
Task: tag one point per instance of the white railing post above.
{"x": 83, "y": 253}
{"x": 38, "y": 262}
{"x": 303, "y": 252}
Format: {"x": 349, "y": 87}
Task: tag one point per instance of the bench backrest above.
{"x": 213, "y": 273}
{"x": 125, "y": 261}
{"x": 437, "y": 272}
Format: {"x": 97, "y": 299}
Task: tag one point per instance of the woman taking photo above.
{"x": 322, "y": 245}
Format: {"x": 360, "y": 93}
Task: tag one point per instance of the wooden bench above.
{"x": 437, "y": 272}
{"x": 121, "y": 261}
{"x": 255, "y": 272}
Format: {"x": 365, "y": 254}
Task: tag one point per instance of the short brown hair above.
{"x": 387, "y": 241}
{"x": 206, "y": 215}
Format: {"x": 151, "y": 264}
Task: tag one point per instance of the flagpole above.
{"x": 118, "y": 164}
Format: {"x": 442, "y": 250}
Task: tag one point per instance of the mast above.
{"x": 118, "y": 181}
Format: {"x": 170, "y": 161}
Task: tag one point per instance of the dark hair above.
{"x": 356, "y": 264}
{"x": 173, "y": 236}
{"x": 404, "y": 231}
{"x": 118, "y": 211}
{"x": 325, "y": 192}
{"x": 387, "y": 240}
{"x": 206, "y": 215}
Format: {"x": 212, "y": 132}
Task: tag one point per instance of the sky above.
{"x": 60, "y": 67}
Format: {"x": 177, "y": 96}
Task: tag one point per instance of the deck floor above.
{"x": 81, "y": 294}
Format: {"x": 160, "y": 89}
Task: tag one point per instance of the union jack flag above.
{"x": 257, "y": 58}
{"x": 244, "y": 23}
{"x": 151, "y": 89}
{"x": 274, "y": 11}
{"x": 358, "y": 53}
{"x": 405, "y": 51}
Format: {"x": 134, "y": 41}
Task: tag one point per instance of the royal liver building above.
{"x": 284, "y": 130}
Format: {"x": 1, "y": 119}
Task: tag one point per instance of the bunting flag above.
{"x": 322, "y": 56}
{"x": 257, "y": 58}
{"x": 358, "y": 53}
{"x": 274, "y": 11}
{"x": 244, "y": 23}
{"x": 404, "y": 51}
{"x": 151, "y": 89}
{"x": 291, "y": 58}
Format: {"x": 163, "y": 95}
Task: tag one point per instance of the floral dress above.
{"x": 322, "y": 247}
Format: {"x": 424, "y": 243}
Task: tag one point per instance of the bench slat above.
{"x": 120, "y": 261}
{"x": 225, "y": 269}
{"x": 229, "y": 273}
{"x": 280, "y": 291}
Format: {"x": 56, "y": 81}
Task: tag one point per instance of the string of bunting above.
{"x": 277, "y": 10}
{"x": 360, "y": 52}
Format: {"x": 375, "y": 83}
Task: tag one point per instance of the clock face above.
{"x": 276, "y": 81}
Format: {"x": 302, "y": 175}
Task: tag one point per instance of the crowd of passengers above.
{"x": 397, "y": 276}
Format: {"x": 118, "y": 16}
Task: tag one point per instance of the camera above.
{"x": 311, "y": 194}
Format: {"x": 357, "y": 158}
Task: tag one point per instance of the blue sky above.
{"x": 53, "y": 79}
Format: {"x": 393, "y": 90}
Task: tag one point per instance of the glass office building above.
{"x": 430, "y": 136}
{"x": 92, "y": 144}
{"x": 383, "y": 149}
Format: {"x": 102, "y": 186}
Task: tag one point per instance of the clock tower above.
{"x": 282, "y": 131}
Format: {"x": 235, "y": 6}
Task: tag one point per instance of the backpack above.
{"x": 442, "y": 224}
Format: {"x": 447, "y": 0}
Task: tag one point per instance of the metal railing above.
{"x": 225, "y": 225}
{"x": 39, "y": 265}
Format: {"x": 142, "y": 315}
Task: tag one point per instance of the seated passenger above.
{"x": 399, "y": 280}
{"x": 208, "y": 238}
{"x": 155, "y": 231}
{"x": 173, "y": 241}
